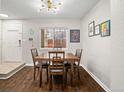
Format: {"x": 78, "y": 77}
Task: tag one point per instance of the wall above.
{"x": 117, "y": 45}
{"x": 0, "y": 43}
{"x": 96, "y": 54}
{"x": 36, "y": 25}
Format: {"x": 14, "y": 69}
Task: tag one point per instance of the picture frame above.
{"x": 75, "y": 36}
{"x": 97, "y": 30}
{"x": 91, "y": 28}
{"x": 105, "y": 28}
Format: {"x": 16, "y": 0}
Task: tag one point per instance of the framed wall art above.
{"x": 97, "y": 30}
{"x": 91, "y": 28}
{"x": 105, "y": 28}
{"x": 75, "y": 36}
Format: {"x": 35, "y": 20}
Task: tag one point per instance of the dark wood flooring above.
{"x": 23, "y": 81}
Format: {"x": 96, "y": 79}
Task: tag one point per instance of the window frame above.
{"x": 67, "y": 38}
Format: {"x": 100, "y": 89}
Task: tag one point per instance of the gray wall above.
{"x": 96, "y": 54}
{"x": 117, "y": 45}
{"x": 0, "y": 42}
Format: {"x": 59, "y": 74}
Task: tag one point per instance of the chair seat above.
{"x": 44, "y": 64}
{"x": 56, "y": 66}
{"x": 56, "y": 70}
{"x": 67, "y": 64}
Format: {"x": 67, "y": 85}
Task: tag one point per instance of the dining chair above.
{"x": 76, "y": 64}
{"x": 37, "y": 63}
{"x": 56, "y": 67}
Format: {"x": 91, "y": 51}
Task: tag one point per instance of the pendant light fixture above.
{"x": 50, "y": 5}
{"x": 1, "y": 12}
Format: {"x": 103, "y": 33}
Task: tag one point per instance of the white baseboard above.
{"x": 29, "y": 64}
{"x": 97, "y": 80}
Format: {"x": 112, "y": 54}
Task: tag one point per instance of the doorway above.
{"x": 12, "y": 43}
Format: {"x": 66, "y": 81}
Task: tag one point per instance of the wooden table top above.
{"x": 45, "y": 56}
{"x": 56, "y": 51}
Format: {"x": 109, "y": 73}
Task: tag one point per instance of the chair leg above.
{"x": 66, "y": 69}
{"x": 38, "y": 71}
{"x": 66, "y": 76}
{"x": 63, "y": 82}
{"x": 74, "y": 70}
{"x": 50, "y": 83}
{"x": 34, "y": 72}
{"x": 70, "y": 77}
{"x": 78, "y": 77}
{"x": 78, "y": 74}
{"x": 47, "y": 74}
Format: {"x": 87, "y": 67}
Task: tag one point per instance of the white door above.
{"x": 12, "y": 42}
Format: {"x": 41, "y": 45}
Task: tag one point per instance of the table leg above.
{"x": 40, "y": 74}
{"x": 72, "y": 74}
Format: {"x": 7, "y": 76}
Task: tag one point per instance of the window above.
{"x": 53, "y": 38}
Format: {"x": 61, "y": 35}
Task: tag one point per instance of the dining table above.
{"x": 69, "y": 57}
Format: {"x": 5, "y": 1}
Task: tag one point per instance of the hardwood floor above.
{"x": 23, "y": 81}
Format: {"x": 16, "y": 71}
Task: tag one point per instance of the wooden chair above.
{"x": 76, "y": 64}
{"x": 37, "y": 64}
{"x": 56, "y": 58}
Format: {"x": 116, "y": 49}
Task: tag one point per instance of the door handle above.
{"x": 19, "y": 43}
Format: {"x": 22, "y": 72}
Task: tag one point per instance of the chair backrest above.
{"x": 34, "y": 53}
{"x": 56, "y": 57}
{"x": 59, "y": 48}
{"x": 78, "y": 54}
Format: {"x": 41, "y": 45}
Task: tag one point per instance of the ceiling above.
{"x": 26, "y": 9}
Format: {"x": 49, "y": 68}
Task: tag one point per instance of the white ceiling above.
{"x": 26, "y": 9}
